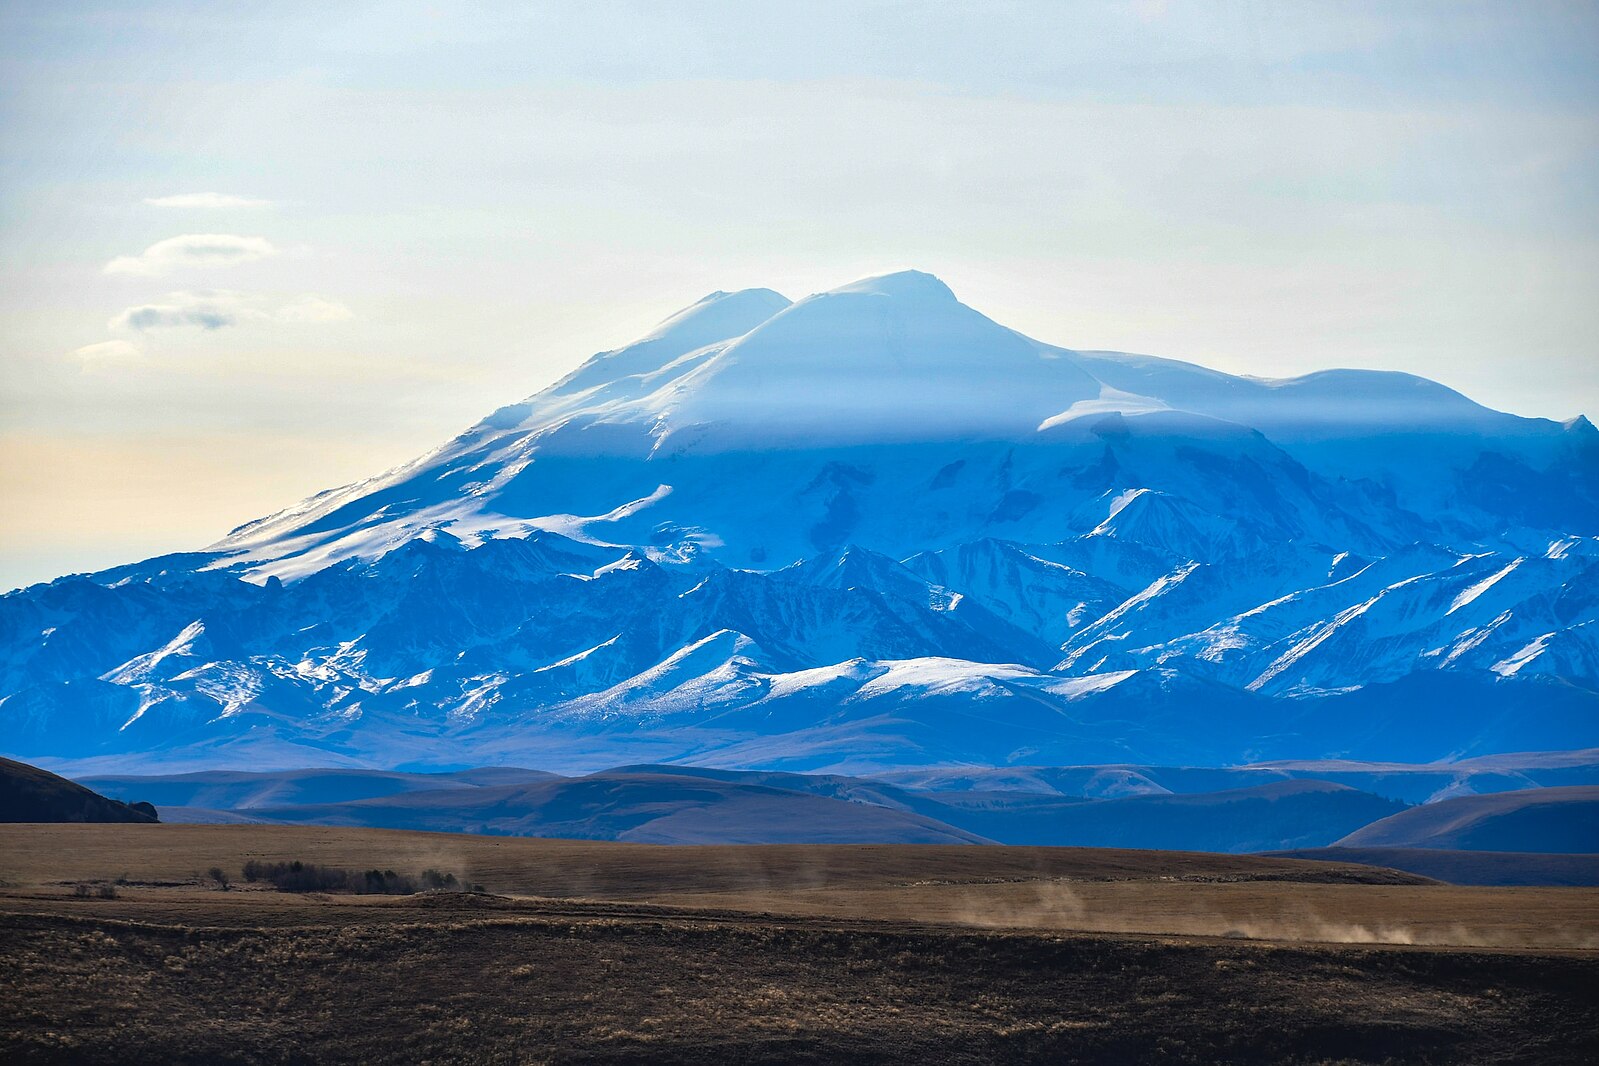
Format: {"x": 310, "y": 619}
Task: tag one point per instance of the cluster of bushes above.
{"x": 97, "y": 890}
{"x": 299, "y": 876}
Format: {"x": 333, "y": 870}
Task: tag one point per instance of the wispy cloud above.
{"x": 207, "y": 310}
{"x": 206, "y": 201}
{"x": 192, "y": 250}
{"x": 218, "y": 309}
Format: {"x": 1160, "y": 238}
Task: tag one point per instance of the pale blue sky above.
{"x": 423, "y": 211}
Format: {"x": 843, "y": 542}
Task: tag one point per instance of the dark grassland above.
{"x": 704, "y": 955}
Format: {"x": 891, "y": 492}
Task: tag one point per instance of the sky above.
{"x": 248, "y": 252}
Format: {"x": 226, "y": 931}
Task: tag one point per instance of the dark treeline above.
{"x": 299, "y": 876}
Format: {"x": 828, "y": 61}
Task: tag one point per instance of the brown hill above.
{"x": 29, "y": 794}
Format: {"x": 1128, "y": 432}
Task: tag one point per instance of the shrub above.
{"x": 386, "y": 882}
{"x": 431, "y": 878}
{"x": 217, "y": 875}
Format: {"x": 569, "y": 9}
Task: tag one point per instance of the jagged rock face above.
{"x": 871, "y": 528}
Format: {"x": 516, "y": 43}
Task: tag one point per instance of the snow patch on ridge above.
{"x": 1512, "y": 665}
{"x": 1482, "y": 586}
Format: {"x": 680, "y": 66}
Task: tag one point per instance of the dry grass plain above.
{"x": 590, "y": 951}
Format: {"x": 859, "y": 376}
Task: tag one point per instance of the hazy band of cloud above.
{"x": 206, "y": 201}
{"x": 192, "y": 250}
{"x": 207, "y": 311}
{"x": 217, "y": 309}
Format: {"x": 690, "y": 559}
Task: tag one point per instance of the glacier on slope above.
{"x": 871, "y": 528}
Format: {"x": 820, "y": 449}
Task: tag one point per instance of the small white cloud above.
{"x": 193, "y": 249}
{"x": 217, "y": 309}
{"x": 206, "y": 201}
{"x": 106, "y": 351}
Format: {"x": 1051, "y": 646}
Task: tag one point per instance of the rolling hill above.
{"x": 1561, "y": 820}
{"x": 640, "y": 808}
{"x": 695, "y": 805}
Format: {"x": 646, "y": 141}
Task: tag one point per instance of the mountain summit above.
{"x": 845, "y": 530}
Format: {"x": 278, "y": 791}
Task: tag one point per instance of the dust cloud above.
{"x": 1055, "y": 905}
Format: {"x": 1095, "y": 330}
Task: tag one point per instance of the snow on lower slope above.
{"x": 871, "y": 524}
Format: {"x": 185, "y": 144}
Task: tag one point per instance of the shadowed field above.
{"x": 588, "y": 951}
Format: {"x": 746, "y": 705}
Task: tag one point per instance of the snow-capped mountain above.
{"x": 869, "y": 528}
